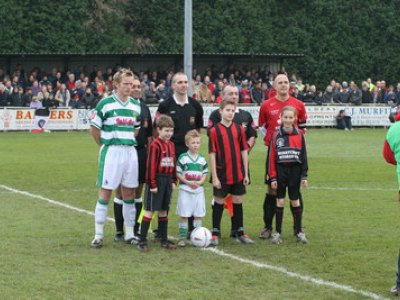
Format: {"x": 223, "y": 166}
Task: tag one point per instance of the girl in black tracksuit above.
{"x": 287, "y": 168}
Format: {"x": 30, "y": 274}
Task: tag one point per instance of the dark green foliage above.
{"x": 345, "y": 40}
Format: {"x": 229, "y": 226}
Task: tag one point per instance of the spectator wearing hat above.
{"x": 344, "y": 93}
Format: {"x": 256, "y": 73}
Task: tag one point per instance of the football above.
{"x": 200, "y": 237}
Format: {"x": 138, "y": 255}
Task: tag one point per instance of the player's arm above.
{"x": 388, "y": 154}
{"x": 212, "y": 149}
{"x": 213, "y": 166}
{"x": 271, "y": 165}
{"x": 302, "y": 119}
{"x": 244, "y": 148}
{"x": 96, "y": 133}
{"x": 152, "y": 158}
{"x": 199, "y": 116}
{"x": 213, "y": 120}
{"x": 263, "y": 121}
{"x": 245, "y": 159}
{"x": 304, "y": 159}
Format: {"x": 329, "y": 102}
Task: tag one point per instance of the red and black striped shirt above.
{"x": 160, "y": 160}
{"x": 227, "y": 143}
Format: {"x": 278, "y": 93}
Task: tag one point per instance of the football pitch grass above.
{"x": 351, "y": 219}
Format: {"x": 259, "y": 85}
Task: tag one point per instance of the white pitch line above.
{"x": 349, "y": 188}
{"x": 317, "y": 281}
{"x": 77, "y": 209}
{"x": 284, "y": 271}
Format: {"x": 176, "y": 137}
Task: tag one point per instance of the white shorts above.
{"x": 117, "y": 165}
{"x": 191, "y": 204}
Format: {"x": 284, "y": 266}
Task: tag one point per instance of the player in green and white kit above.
{"x": 114, "y": 125}
{"x": 191, "y": 170}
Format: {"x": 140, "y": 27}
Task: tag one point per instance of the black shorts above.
{"x": 142, "y": 156}
{"x": 289, "y": 176}
{"x": 236, "y": 189}
{"x": 162, "y": 199}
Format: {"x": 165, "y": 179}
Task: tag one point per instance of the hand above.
{"x": 216, "y": 183}
{"x": 154, "y": 191}
{"x": 173, "y": 186}
{"x": 304, "y": 182}
{"x": 274, "y": 185}
{"x": 246, "y": 180}
{"x": 193, "y": 184}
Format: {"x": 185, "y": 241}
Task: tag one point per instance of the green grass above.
{"x": 351, "y": 220}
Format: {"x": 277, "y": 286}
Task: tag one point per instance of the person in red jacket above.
{"x": 287, "y": 169}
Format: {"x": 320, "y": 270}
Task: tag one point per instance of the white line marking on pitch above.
{"x": 284, "y": 271}
{"x": 306, "y": 278}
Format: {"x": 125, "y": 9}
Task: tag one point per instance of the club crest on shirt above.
{"x": 191, "y": 121}
{"x": 274, "y": 112}
{"x": 280, "y": 143}
{"x": 244, "y": 124}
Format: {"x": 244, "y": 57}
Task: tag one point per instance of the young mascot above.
{"x": 191, "y": 171}
{"x": 229, "y": 169}
{"x": 287, "y": 169}
{"x": 160, "y": 180}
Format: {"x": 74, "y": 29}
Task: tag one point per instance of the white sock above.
{"x": 100, "y": 218}
{"x": 197, "y": 223}
{"x": 129, "y": 213}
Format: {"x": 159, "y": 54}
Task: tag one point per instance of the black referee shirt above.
{"x": 146, "y": 126}
{"x": 186, "y": 117}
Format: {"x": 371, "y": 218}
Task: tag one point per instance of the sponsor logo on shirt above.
{"x": 167, "y": 162}
{"x": 124, "y": 122}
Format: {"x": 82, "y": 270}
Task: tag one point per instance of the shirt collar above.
{"x": 179, "y": 103}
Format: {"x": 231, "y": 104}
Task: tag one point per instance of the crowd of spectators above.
{"x": 83, "y": 89}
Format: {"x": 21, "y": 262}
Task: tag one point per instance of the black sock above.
{"x": 162, "y": 227}
{"x": 298, "y": 213}
{"x": 269, "y": 210}
{"x": 279, "y": 218}
{"x": 292, "y": 209}
{"x": 238, "y": 218}
{"x": 301, "y": 201}
{"x": 216, "y": 218}
{"x": 190, "y": 224}
{"x": 119, "y": 219}
{"x": 144, "y": 228}
{"x": 138, "y": 206}
{"x": 233, "y": 227}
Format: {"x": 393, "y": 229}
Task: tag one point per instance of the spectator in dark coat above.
{"x": 355, "y": 95}
{"x": 366, "y": 96}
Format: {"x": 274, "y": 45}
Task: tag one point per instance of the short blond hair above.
{"x": 191, "y": 134}
{"x": 122, "y": 73}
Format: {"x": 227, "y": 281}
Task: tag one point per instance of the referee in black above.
{"x": 187, "y": 114}
{"x": 241, "y": 117}
{"x": 143, "y": 139}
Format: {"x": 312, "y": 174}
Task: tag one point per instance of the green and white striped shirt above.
{"x": 117, "y": 120}
{"x": 192, "y": 169}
